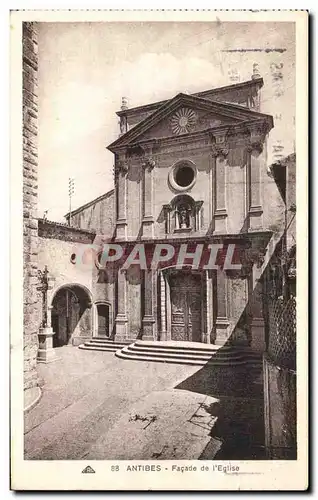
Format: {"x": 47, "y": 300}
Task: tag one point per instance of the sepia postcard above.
{"x": 159, "y": 324}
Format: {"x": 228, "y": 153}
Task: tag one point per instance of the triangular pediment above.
{"x": 185, "y": 114}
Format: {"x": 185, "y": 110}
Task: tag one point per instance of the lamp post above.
{"x": 46, "y": 352}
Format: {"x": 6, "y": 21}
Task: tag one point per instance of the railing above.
{"x": 282, "y": 332}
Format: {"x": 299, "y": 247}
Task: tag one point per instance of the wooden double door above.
{"x": 186, "y": 306}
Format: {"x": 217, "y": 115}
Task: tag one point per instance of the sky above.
{"x": 86, "y": 68}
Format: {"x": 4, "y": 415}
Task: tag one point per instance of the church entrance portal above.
{"x": 186, "y": 306}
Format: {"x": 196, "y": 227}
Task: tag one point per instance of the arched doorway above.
{"x": 71, "y": 315}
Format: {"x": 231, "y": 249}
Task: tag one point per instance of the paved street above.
{"x": 84, "y": 394}
{"x": 93, "y": 399}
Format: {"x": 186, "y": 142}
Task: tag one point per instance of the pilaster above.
{"x": 254, "y": 175}
{"x": 121, "y": 321}
{"x": 148, "y": 164}
{"x": 208, "y": 337}
{"x": 121, "y": 170}
{"x": 220, "y": 150}
{"x": 148, "y": 322}
{"x": 222, "y": 321}
{"x": 163, "y": 319}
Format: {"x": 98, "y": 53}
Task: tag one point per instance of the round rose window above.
{"x": 182, "y": 176}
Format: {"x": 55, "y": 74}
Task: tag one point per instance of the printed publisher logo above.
{"x": 88, "y": 470}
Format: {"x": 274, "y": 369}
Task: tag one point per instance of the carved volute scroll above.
{"x": 148, "y": 160}
{"x": 257, "y": 137}
{"x": 121, "y": 166}
{"x": 220, "y": 144}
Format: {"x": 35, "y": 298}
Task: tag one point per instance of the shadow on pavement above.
{"x": 239, "y": 410}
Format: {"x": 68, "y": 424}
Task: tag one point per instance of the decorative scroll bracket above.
{"x": 257, "y": 137}
{"x": 148, "y": 161}
{"x": 220, "y": 146}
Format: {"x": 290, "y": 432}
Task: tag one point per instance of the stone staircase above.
{"x": 186, "y": 353}
{"x": 102, "y": 344}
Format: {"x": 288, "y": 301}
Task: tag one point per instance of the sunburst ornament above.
{"x": 183, "y": 121}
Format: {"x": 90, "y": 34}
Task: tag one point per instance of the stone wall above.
{"x": 98, "y": 215}
{"x": 56, "y": 254}
{"x": 65, "y": 252}
{"x": 280, "y": 406}
{"x": 30, "y": 188}
{"x": 57, "y": 231}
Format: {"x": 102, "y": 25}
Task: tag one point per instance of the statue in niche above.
{"x": 184, "y": 216}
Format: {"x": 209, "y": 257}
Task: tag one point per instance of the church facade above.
{"x": 188, "y": 171}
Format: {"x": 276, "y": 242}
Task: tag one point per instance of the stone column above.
{"x": 209, "y": 307}
{"x": 198, "y": 215}
{"x": 149, "y": 321}
{"x": 167, "y": 213}
{"x": 163, "y": 321}
{"x": 254, "y": 165}
{"x": 220, "y": 151}
{"x": 148, "y": 164}
{"x": 121, "y": 170}
{"x": 222, "y": 322}
{"x": 121, "y": 320}
{"x": 168, "y": 307}
{"x": 211, "y": 192}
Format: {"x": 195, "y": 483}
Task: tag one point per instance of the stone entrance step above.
{"x": 189, "y": 353}
{"x": 178, "y": 344}
{"x": 102, "y": 344}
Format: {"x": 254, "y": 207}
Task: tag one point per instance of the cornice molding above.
{"x": 252, "y": 85}
{"x": 248, "y": 134}
{"x": 238, "y": 114}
